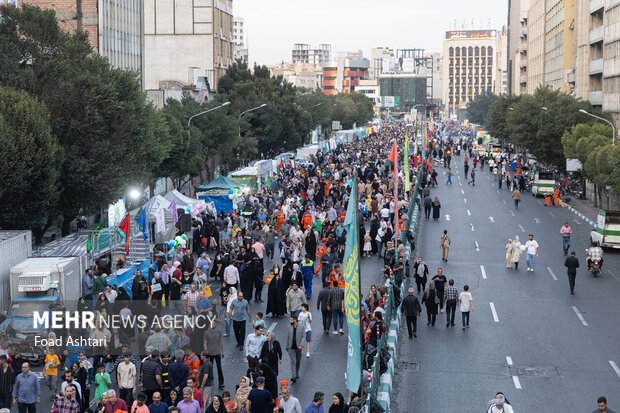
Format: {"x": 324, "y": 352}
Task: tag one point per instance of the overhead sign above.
{"x": 390, "y": 101}
{"x": 471, "y": 34}
{"x": 397, "y": 65}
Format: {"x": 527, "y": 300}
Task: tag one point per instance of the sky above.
{"x": 273, "y": 26}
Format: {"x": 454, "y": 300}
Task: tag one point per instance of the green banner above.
{"x": 352, "y": 294}
{"x": 407, "y": 183}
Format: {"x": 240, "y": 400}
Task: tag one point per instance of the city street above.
{"x": 545, "y": 349}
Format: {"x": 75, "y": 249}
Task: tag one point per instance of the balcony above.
{"x": 596, "y": 5}
{"x": 596, "y": 98}
{"x": 596, "y": 35}
{"x": 523, "y": 79}
{"x": 595, "y": 67}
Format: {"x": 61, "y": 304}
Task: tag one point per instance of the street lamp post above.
{"x": 613, "y": 129}
{"x": 202, "y": 113}
{"x": 247, "y": 111}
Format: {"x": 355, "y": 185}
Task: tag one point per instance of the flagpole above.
{"x": 359, "y": 256}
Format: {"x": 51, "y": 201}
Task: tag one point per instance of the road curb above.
{"x": 583, "y": 217}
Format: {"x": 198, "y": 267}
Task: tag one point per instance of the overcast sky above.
{"x": 274, "y": 25}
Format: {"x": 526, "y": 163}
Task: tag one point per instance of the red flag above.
{"x": 392, "y": 156}
{"x": 123, "y": 228}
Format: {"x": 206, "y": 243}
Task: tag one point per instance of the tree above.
{"x": 100, "y": 116}
{"x": 496, "y": 117}
{"x": 29, "y": 161}
{"x": 478, "y": 108}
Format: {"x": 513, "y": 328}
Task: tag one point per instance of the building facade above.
{"x": 517, "y": 46}
{"x": 343, "y": 74}
{"x": 184, "y": 40}
{"x": 501, "y": 68}
{"x": 470, "y": 67}
{"x": 535, "y": 45}
{"x": 303, "y": 53}
{"x": 559, "y": 45}
{"x": 240, "y": 40}
{"x": 299, "y": 74}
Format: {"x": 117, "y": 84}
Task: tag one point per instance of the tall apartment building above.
{"x": 470, "y": 67}
{"x": 437, "y": 77}
{"x": 303, "y": 53}
{"x": 186, "y": 39}
{"x": 342, "y": 75}
{"x": 114, "y": 28}
{"x": 559, "y": 45}
{"x": 517, "y": 46}
{"x": 535, "y": 45}
{"x": 240, "y": 48}
{"x": 501, "y": 68}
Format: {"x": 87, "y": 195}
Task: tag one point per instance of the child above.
{"x": 102, "y": 381}
{"x": 51, "y": 369}
{"x": 259, "y": 321}
{"x": 228, "y": 404}
{"x": 305, "y": 319}
{"x": 367, "y": 245}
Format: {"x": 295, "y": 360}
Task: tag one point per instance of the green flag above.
{"x": 407, "y": 184}
{"x": 352, "y": 293}
{"x": 89, "y": 242}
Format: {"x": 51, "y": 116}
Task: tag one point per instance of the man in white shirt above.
{"x": 126, "y": 378}
{"x": 110, "y": 294}
{"x": 466, "y": 305}
{"x": 531, "y": 248}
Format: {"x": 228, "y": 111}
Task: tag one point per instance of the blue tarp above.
{"x": 125, "y": 279}
{"x": 222, "y": 203}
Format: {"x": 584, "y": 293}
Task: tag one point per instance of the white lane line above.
{"x": 495, "y": 317}
{"x": 484, "y": 273}
{"x": 551, "y": 273}
{"x": 521, "y": 228}
{"x": 551, "y": 213}
{"x": 504, "y": 201}
{"x": 460, "y": 183}
{"x": 468, "y": 213}
{"x": 509, "y": 360}
{"x": 583, "y": 320}
{"x": 517, "y": 383}
{"x": 512, "y": 212}
{"x": 613, "y": 275}
{"x": 577, "y": 221}
{"x": 465, "y": 200}
{"x": 488, "y": 177}
{"x": 462, "y": 191}
{"x": 615, "y": 367}
{"x": 472, "y": 227}
{"x": 477, "y": 247}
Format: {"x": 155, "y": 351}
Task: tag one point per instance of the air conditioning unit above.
{"x": 34, "y": 282}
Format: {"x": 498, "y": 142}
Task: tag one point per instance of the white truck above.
{"x": 36, "y": 284}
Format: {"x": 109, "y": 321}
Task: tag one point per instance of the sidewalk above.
{"x": 583, "y": 208}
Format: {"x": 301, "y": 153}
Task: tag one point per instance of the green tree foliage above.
{"x": 478, "y": 108}
{"x": 496, "y": 117}
{"x": 29, "y": 161}
{"x": 353, "y": 108}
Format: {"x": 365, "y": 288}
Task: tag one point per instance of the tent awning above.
{"x": 220, "y": 183}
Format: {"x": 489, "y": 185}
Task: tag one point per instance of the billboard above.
{"x": 390, "y": 101}
{"x": 471, "y": 34}
{"x": 397, "y": 65}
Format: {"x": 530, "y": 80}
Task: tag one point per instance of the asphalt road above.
{"x": 545, "y": 349}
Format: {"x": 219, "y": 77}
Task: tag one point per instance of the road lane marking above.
{"x": 521, "y": 228}
{"x": 613, "y": 275}
{"x": 583, "y": 320}
{"x": 460, "y": 183}
{"x": 462, "y": 191}
{"x": 468, "y": 213}
{"x": 537, "y": 220}
{"x": 495, "y": 317}
{"x": 484, "y": 273}
{"x": 551, "y": 213}
{"x": 465, "y": 200}
{"x": 477, "y": 247}
{"x": 509, "y": 360}
{"x": 492, "y": 220}
{"x": 577, "y": 221}
{"x": 504, "y": 201}
{"x": 512, "y": 212}
{"x": 472, "y": 227}
{"x": 615, "y": 367}
{"x": 551, "y": 273}
{"x": 517, "y": 383}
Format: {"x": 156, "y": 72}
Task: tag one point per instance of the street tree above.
{"x": 478, "y": 109}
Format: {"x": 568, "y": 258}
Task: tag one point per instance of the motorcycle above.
{"x": 595, "y": 268}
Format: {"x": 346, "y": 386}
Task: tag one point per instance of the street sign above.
{"x": 336, "y": 125}
{"x": 390, "y": 101}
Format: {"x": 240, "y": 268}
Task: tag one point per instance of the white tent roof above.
{"x": 181, "y": 199}
{"x": 247, "y": 171}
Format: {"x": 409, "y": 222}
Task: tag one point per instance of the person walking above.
{"x": 421, "y": 272}
{"x": 335, "y": 304}
{"x": 322, "y": 303}
{"x": 517, "y": 249}
{"x": 412, "y": 309}
{"x": 602, "y": 406}
{"x": 440, "y": 283}
{"x": 531, "y": 249}
{"x": 26, "y": 392}
{"x": 294, "y": 346}
{"x": 466, "y": 305}
{"x": 240, "y": 314}
{"x": 7, "y": 380}
{"x": 509, "y": 254}
{"x": 428, "y": 204}
{"x": 571, "y": 264}
{"x": 566, "y": 232}
{"x": 449, "y": 173}
{"x": 436, "y": 208}
{"x": 473, "y": 177}
{"x": 444, "y": 244}
{"x": 431, "y": 300}
{"x": 516, "y": 196}
{"x": 451, "y": 296}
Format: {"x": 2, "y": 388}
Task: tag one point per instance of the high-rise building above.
{"x": 501, "y": 68}
{"x": 437, "y": 80}
{"x": 535, "y": 45}
{"x": 517, "y": 44}
{"x": 186, "y": 39}
{"x": 114, "y": 27}
{"x": 377, "y": 55}
{"x": 343, "y": 74}
{"x": 299, "y": 74}
{"x": 303, "y": 53}
{"x": 470, "y": 67}
{"x": 240, "y": 49}
{"x": 559, "y": 46}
